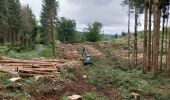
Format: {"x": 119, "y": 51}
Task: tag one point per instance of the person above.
{"x": 83, "y": 51}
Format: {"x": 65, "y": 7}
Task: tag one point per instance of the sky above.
{"x": 109, "y": 12}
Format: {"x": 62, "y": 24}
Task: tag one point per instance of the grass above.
{"x": 93, "y": 96}
{"x": 106, "y": 73}
{"x": 104, "y": 77}
{"x": 87, "y": 96}
{"x": 45, "y": 53}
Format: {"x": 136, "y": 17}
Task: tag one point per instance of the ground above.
{"x": 108, "y": 79}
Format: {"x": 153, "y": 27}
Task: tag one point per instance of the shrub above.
{"x": 47, "y": 53}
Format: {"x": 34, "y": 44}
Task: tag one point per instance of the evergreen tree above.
{"x": 48, "y": 21}
{"x": 144, "y": 67}
{"x": 15, "y": 21}
{"x": 3, "y": 20}
{"x": 48, "y": 6}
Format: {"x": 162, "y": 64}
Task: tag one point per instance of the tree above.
{"x": 135, "y": 37}
{"x": 145, "y": 38}
{"x": 155, "y": 39}
{"x": 168, "y": 67}
{"x": 29, "y": 24}
{"x": 129, "y": 34}
{"x": 15, "y": 21}
{"x": 123, "y": 34}
{"x": 138, "y": 6}
{"x": 93, "y": 32}
{"x": 48, "y": 21}
{"x": 166, "y": 35}
{"x": 150, "y": 36}
{"x": 164, "y": 8}
{"x": 66, "y": 30}
{"x": 3, "y": 20}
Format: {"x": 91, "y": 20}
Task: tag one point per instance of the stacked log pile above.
{"x": 29, "y": 68}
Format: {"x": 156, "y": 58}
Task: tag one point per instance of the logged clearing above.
{"x": 27, "y": 68}
{"x": 66, "y": 77}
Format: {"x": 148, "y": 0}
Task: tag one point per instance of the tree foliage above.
{"x": 29, "y": 26}
{"x": 49, "y": 7}
{"x": 66, "y": 30}
{"x": 48, "y": 21}
{"x": 93, "y": 32}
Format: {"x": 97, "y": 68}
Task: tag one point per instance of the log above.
{"x": 45, "y": 70}
{"x": 23, "y": 61}
{"x": 34, "y": 72}
{"x": 25, "y": 75}
{"x": 28, "y": 65}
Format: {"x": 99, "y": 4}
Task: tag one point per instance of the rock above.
{"x": 84, "y": 76}
{"x": 15, "y": 79}
{"x": 75, "y": 97}
{"x": 37, "y": 77}
{"x": 136, "y": 96}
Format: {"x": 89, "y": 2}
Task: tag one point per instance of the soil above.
{"x": 78, "y": 87}
{"x": 71, "y": 58}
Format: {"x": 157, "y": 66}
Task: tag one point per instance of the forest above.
{"x": 48, "y": 58}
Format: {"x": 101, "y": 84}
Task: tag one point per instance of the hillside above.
{"x": 44, "y": 78}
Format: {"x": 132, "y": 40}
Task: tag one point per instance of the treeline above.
{"x": 156, "y": 43}
{"x": 21, "y": 30}
{"x": 17, "y": 24}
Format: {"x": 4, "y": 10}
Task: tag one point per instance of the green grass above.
{"x": 93, "y": 96}
{"x": 22, "y": 55}
{"x": 46, "y": 53}
{"x": 127, "y": 81}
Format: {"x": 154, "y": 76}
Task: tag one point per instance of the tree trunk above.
{"x": 53, "y": 41}
{"x": 149, "y": 36}
{"x": 155, "y": 39}
{"x": 145, "y": 39}
{"x": 162, "y": 41}
{"x": 52, "y": 35}
{"x": 129, "y": 35}
{"x": 166, "y": 39}
{"x": 12, "y": 40}
{"x": 168, "y": 68}
{"x": 135, "y": 37}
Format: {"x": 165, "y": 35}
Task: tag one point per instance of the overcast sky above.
{"x": 109, "y": 12}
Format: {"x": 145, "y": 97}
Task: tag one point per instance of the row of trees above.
{"x": 16, "y": 23}
{"x": 19, "y": 27}
{"x": 155, "y": 41}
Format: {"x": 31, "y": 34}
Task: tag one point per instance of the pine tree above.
{"x": 168, "y": 58}
{"x": 155, "y": 45}
{"x": 15, "y": 21}
{"x": 48, "y": 21}
{"x": 144, "y": 67}
{"x": 3, "y": 20}
{"x": 149, "y": 37}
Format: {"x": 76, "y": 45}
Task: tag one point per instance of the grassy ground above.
{"x": 108, "y": 79}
